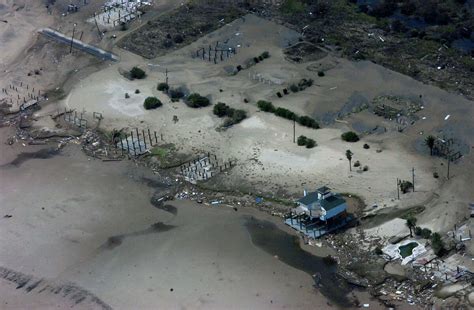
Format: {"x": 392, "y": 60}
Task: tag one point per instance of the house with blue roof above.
{"x": 318, "y": 213}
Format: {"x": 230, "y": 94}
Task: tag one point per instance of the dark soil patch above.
{"x": 41, "y": 154}
{"x": 179, "y": 28}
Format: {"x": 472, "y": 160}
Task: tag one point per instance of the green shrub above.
{"x": 137, "y": 91}
{"x": 357, "y": 163}
{"x": 350, "y": 136}
{"x": 152, "y": 103}
{"x": 437, "y": 244}
{"x": 366, "y": 168}
{"x": 294, "y": 88}
{"x": 163, "y": 87}
{"x": 426, "y": 233}
{"x": 366, "y": 146}
{"x": 310, "y": 143}
{"x": 127, "y": 96}
{"x": 238, "y": 116}
{"x": 321, "y": 73}
{"x": 302, "y": 140}
{"x": 233, "y": 116}
{"x": 265, "y": 54}
{"x": 137, "y": 73}
{"x": 405, "y": 186}
{"x": 197, "y": 101}
{"x": 175, "y": 94}
{"x": 285, "y": 113}
{"x": 378, "y": 251}
{"x": 221, "y": 109}
{"x": 418, "y": 231}
{"x": 265, "y": 106}
{"x": 308, "y": 122}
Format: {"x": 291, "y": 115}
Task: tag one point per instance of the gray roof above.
{"x": 323, "y": 190}
{"x": 327, "y": 203}
{"x": 309, "y": 198}
{"x": 332, "y": 202}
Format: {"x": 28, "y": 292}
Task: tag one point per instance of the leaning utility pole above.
{"x": 413, "y": 177}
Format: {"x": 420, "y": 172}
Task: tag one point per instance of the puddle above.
{"x": 41, "y": 154}
{"x": 275, "y": 241}
{"x": 117, "y": 240}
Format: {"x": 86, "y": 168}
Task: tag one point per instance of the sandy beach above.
{"x": 82, "y": 221}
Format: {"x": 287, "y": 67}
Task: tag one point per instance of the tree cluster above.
{"x": 306, "y": 121}
{"x": 233, "y": 116}
{"x": 195, "y": 100}
{"x": 350, "y": 136}
{"x": 137, "y": 73}
{"x": 152, "y": 103}
{"x": 304, "y": 141}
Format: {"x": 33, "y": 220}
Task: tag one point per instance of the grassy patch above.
{"x": 159, "y": 152}
{"x": 292, "y": 7}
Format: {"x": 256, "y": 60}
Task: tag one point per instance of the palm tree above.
{"x": 411, "y": 223}
{"x": 430, "y": 141}
{"x": 349, "y": 158}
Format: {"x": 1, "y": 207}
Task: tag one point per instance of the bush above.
{"x": 302, "y": 140}
{"x": 357, "y": 163}
{"x": 137, "y": 91}
{"x": 163, "y": 87}
{"x": 426, "y": 233}
{"x": 152, "y": 103}
{"x": 310, "y": 143}
{"x": 405, "y": 186}
{"x": 221, "y": 109}
{"x": 350, "y": 136}
{"x": 366, "y": 168}
{"x": 233, "y": 116}
{"x": 294, "y": 88}
{"x": 197, "y": 101}
{"x": 321, "y": 73}
{"x": 127, "y": 96}
{"x": 437, "y": 244}
{"x": 418, "y": 231}
{"x": 285, "y": 113}
{"x": 237, "y": 116}
{"x": 366, "y": 146}
{"x": 279, "y": 95}
{"x": 265, "y": 106}
{"x": 308, "y": 122}
{"x": 435, "y": 175}
{"x": 137, "y": 73}
{"x": 265, "y": 55}
{"x": 255, "y": 60}
{"x": 175, "y": 94}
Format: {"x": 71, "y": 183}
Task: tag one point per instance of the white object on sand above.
{"x": 447, "y": 116}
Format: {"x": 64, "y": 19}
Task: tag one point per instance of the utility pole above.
{"x": 398, "y": 189}
{"x": 413, "y": 177}
{"x": 166, "y": 74}
{"x": 72, "y": 39}
{"x": 294, "y": 131}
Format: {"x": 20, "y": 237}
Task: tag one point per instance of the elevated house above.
{"x": 318, "y": 213}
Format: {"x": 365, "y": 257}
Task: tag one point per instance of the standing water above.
{"x": 275, "y": 241}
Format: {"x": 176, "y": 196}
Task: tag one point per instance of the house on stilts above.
{"x": 318, "y": 213}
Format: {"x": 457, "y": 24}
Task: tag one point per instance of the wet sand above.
{"x": 82, "y": 221}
